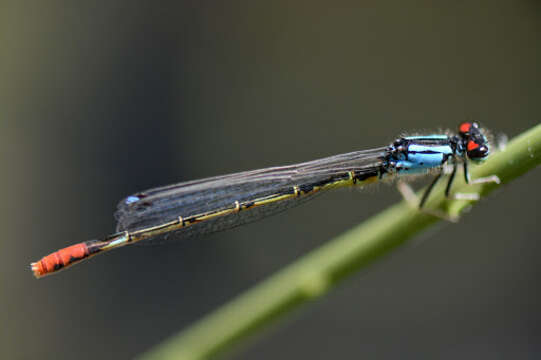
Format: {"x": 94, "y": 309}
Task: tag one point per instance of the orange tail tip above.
{"x": 37, "y": 269}
{"x": 60, "y": 259}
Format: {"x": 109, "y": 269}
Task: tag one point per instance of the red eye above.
{"x": 472, "y": 145}
{"x": 464, "y": 127}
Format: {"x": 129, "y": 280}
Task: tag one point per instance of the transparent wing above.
{"x": 164, "y": 204}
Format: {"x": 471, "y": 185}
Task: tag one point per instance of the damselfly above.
{"x": 204, "y": 206}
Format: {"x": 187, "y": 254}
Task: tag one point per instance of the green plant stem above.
{"x": 322, "y": 269}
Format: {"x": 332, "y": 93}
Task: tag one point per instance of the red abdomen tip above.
{"x": 59, "y": 259}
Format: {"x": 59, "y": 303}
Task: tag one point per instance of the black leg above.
{"x": 429, "y": 189}
{"x": 450, "y": 182}
{"x": 466, "y": 172}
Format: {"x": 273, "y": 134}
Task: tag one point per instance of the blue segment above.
{"x": 407, "y": 167}
{"x": 419, "y": 158}
{"x": 426, "y": 161}
{"x": 131, "y": 199}
{"x": 419, "y": 163}
{"x": 442, "y": 149}
{"x": 428, "y": 137}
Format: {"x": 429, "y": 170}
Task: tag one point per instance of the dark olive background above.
{"x": 99, "y": 100}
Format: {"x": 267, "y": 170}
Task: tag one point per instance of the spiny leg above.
{"x": 409, "y": 195}
{"x": 460, "y": 196}
{"x": 469, "y": 181}
{"x": 429, "y": 189}
{"x": 482, "y": 180}
{"x": 450, "y": 181}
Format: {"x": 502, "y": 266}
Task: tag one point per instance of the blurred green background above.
{"x": 100, "y": 100}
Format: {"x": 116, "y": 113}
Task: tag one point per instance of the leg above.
{"x": 450, "y": 182}
{"x": 429, "y": 189}
{"x": 483, "y": 180}
{"x": 409, "y": 195}
{"x": 469, "y": 181}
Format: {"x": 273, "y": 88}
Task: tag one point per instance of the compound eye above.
{"x": 468, "y": 128}
{"x": 465, "y": 128}
{"x": 476, "y": 151}
{"x": 472, "y": 145}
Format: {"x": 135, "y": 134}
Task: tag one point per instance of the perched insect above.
{"x": 214, "y": 204}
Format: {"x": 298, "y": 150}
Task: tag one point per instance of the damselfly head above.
{"x": 474, "y": 141}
